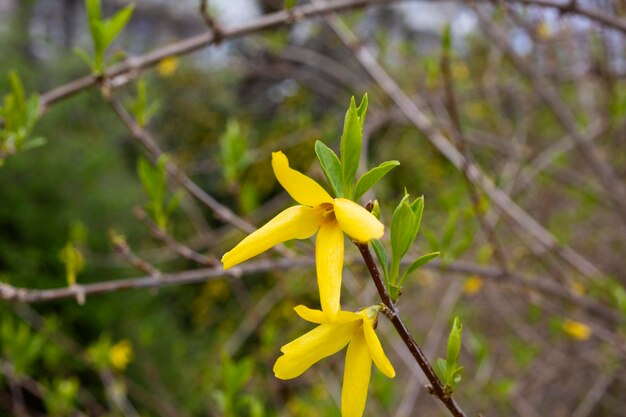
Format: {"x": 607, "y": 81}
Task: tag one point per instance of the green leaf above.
{"x": 371, "y": 177}
{"x": 288, "y": 4}
{"x": 443, "y": 368}
{"x": 18, "y": 91}
{"x": 114, "y": 25}
{"x": 351, "y": 143}
{"x": 417, "y": 207}
{"x": 94, "y": 10}
{"x": 383, "y": 259}
{"x": 152, "y": 180}
{"x": 401, "y": 223}
{"x": 361, "y": 111}
{"x": 34, "y": 143}
{"x": 331, "y": 167}
{"x": 416, "y": 264}
{"x": 454, "y": 343}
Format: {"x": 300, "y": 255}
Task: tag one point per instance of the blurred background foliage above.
{"x": 208, "y": 349}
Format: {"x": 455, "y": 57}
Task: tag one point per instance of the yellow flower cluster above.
{"x": 330, "y": 218}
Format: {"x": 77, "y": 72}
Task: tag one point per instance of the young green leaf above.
{"x": 371, "y": 177}
{"x": 350, "y": 147}
{"x": 454, "y": 344}
{"x": 18, "y": 91}
{"x": 383, "y": 259}
{"x": 416, "y": 264}
{"x": 361, "y": 111}
{"x": 114, "y": 25}
{"x": 93, "y": 10}
{"x": 401, "y": 223}
{"x": 331, "y": 167}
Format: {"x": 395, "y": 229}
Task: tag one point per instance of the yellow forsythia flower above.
{"x": 576, "y": 329}
{"x": 121, "y": 354}
{"x": 473, "y": 284}
{"x": 320, "y": 213}
{"x": 167, "y": 66}
{"x": 353, "y": 329}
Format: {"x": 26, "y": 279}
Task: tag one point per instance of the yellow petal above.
{"x": 297, "y": 222}
{"x": 302, "y": 188}
{"x": 376, "y": 350}
{"x": 317, "y": 316}
{"x": 356, "y": 222}
{"x": 329, "y": 248}
{"x": 356, "y": 377}
{"x": 309, "y": 348}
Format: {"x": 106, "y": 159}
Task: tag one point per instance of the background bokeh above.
{"x": 540, "y": 338}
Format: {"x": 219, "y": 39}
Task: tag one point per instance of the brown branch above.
{"x": 192, "y": 44}
{"x": 436, "y": 388}
{"x": 542, "y": 284}
{"x": 26, "y": 295}
{"x": 573, "y": 7}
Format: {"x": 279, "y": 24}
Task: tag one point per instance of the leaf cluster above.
{"x": 18, "y": 116}
{"x": 341, "y": 172}
{"x": 103, "y": 33}
{"x": 154, "y": 181}
{"x": 449, "y": 369}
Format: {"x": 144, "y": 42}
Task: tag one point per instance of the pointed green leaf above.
{"x": 401, "y": 223}
{"x": 331, "y": 167}
{"x": 351, "y": 143}
{"x": 417, "y": 207}
{"x": 383, "y": 259}
{"x": 361, "y": 111}
{"x": 441, "y": 364}
{"x": 454, "y": 344}
{"x": 33, "y": 143}
{"x": 93, "y": 9}
{"x": 114, "y": 25}
{"x": 18, "y": 91}
{"x": 371, "y": 177}
{"x": 416, "y": 264}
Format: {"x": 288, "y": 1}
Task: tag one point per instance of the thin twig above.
{"x": 11, "y": 293}
{"x": 122, "y": 249}
{"x": 170, "y": 242}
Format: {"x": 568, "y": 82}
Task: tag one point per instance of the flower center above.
{"x": 328, "y": 212}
